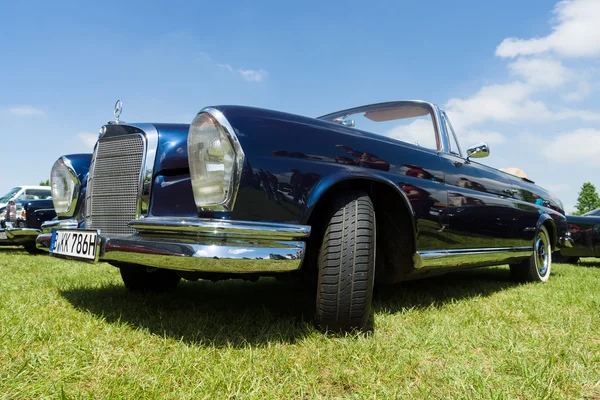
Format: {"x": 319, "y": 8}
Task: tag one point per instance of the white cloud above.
{"x": 228, "y": 68}
{"x": 544, "y": 72}
{"x": 584, "y": 115}
{"x": 88, "y": 139}
{"x": 579, "y": 146}
{"x": 508, "y": 102}
{"x": 251, "y": 75}
{"x": 576, "y": 33}
{"x": 26, "y": 111}
{"x": 520, "y": 100}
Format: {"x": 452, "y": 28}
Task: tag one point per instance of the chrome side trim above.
{"x": 446, "y": 258}
{"x": 49, "y": 226}
{"x": 240, "y": 158}
{"x": 220, "y": 228}
{"x": 447, "y": 122}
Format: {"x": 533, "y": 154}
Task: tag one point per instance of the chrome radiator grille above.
{"x": 114, "y": 184}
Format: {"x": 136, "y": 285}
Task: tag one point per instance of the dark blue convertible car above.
{"x": 378, "y": 193}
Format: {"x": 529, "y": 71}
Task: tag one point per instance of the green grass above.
{"x": 70, "y": 330}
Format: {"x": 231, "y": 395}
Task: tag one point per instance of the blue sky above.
{"x": 534, "y": 97}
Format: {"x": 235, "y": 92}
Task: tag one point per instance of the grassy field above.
{"x": 70, "y": 330}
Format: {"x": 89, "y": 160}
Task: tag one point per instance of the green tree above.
{"x": 588, "y": 199}
{"x": 45, "y": 183}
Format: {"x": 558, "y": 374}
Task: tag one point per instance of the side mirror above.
{"x": 479, "y": 150}
{"x": 345, "y": 122}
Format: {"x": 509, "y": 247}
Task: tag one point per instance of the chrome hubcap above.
{"x": 542, "y": 257}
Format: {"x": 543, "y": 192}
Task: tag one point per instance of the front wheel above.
{"x": 537, "y": 267}
{"x": 138, "y": 278}
{"x": 31, "y": 249}
{"x": 346, "y": 264}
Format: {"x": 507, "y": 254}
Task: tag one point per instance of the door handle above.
{"x": 510, "y": 191}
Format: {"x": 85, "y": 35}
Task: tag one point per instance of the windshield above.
{"x": 410, "y": 122}
{"x": 9, "y": 195}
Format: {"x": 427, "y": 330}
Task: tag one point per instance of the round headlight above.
{"x": 65, "y": 187}
{"x": 215, "y": 159}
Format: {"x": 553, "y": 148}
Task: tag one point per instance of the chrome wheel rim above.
{"x": 542, "y": 256}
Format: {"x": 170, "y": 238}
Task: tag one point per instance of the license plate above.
{"x": 3, "y": 235}
{"x": 78, "y": 244}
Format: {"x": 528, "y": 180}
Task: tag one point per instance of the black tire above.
{"x": 138, "y": 278}
{"x": 557, "y": 257}
{"x": 32, "y": 250}
{"x": 346, "y": 264}
{"x": 536, "y": 268}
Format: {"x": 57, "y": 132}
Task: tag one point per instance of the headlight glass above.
{"x": 64, "y": 184}
{"x": 213, "y": 162}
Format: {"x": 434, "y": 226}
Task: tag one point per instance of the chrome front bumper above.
{"x": 18, "y": 236}
{"x": 203, "y": 245}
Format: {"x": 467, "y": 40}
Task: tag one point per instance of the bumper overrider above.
{"x": 196, "y": 244}
{"x": 566, "y": 241}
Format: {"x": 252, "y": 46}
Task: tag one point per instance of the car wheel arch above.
{"x": 386, "y": 197}
{"x": 547, "y": 221}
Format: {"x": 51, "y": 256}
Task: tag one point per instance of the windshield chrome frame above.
{"x": 442, "y": 139}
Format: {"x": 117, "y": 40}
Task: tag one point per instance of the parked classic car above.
{"x": 21, "y": 220}
{"x": 20, "y": 193}
{"x": 381, "y": 193}
{"x": 585, "y": 232}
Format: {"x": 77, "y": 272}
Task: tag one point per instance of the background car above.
{"x": 585, "y": 232}
{"x": 21, "y": 223}
{"x": 21, "y": 193}
{"x": 381, "y": 192}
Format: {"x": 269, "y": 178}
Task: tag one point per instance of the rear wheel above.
{"x": 537, "y": 267}
{"x": 346, "y": 264}
{"x": 139, "y": 278}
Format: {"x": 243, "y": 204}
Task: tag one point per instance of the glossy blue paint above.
{"x": 81, "y": 165}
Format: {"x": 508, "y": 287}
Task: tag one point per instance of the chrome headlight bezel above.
{"x": 63, "y": 164}
{"x": 225, "y": 133}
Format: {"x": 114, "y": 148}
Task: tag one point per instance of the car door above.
{"x": 481, "y": 212}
